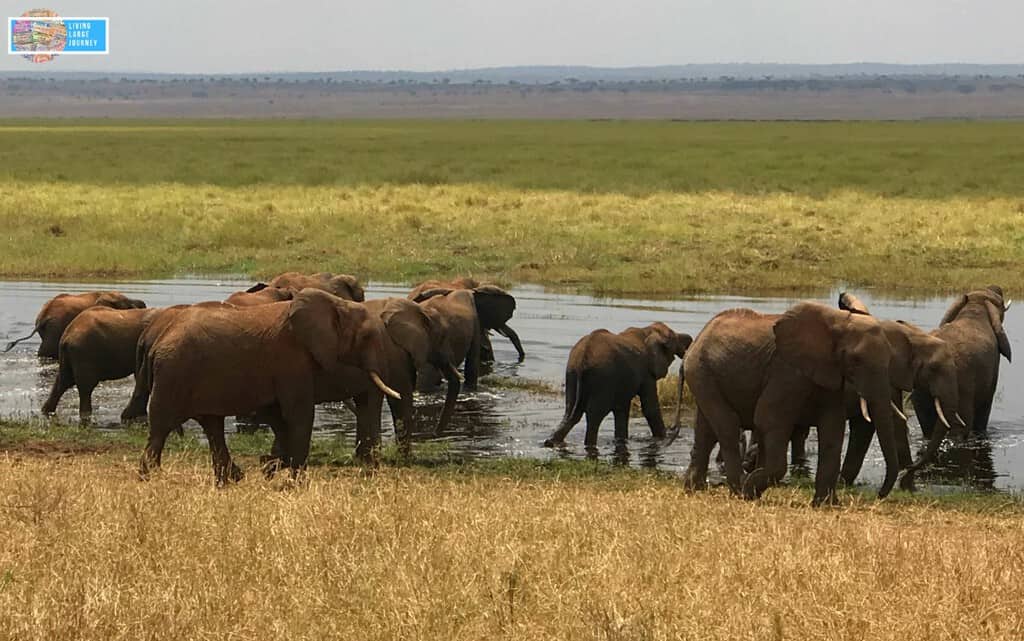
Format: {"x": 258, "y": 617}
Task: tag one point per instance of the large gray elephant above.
{"x": 98, "y": 345}
{"x": 211, "y": 363}
{"x": 494, "y": 308}
{"x": 973, "y": 327}
{"x": 607, "y": 371}
{"x": 341, "y": 285}
{"x": 919, "y": 361}
{"x": 59, "y": 311}
{"x": 770, "y": 372}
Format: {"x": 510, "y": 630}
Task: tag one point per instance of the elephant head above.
{"x": 339, "y": 332}
{"x": 987, "y": 304}
{"x": 922, "y": 361}
{"x": 832, "y": 347}
{"x": 494, "y": 306}
{"x": 419, "y": 331}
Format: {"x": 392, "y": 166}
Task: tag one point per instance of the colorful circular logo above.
{"x": 39, "y": 35}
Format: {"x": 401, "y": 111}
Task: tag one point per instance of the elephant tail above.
{"x": 575, "y": 413}
{"x": 679, "y": 396}
{"x": 38, "y": 329}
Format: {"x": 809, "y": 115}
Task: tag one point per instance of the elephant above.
{"x": 413, "y": 339}
{"x": 494, "y": 307}
{"x": 607, "y": 371}
{"x": 212, "y": 363}
{"x": 98, "y": 345}
{"x": 460, "y": 326}
{"x": 919, "y": 361}
{"x": 771, "y": 372}
{"x": 973, "y": 327}
{"x": 260, "y": 294}
{"x": 59, "y": 311}
{"x": 166, "y": 316}
{"x": 341, "y": 285}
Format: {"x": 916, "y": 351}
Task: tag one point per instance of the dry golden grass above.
{"x": 90, "y": 553}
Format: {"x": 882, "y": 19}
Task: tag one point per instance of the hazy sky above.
{"x": 216, "y": 36}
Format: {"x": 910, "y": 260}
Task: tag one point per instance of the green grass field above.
{"x": 608, "y": 207}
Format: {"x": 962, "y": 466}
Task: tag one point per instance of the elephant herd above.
{"x": 276, "y": 350}
{"x": 273, "y": 352}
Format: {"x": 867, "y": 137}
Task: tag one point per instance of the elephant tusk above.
{"x": 384, "y": 388}
{"x": 898, "y": 411}
{"x": 938, "y": 410}
{"x": 960, "y": 419}
{"x": 864, "y": 409}
{"x": 1006, "y": 307}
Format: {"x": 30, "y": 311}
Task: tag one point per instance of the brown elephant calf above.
{"x": 606, "y": 371}
{"x": 98, "y": 345}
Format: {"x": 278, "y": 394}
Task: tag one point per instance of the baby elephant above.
{"x": 606, "y": 371}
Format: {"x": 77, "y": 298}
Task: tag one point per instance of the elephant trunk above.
{"x": 939, "y": 431}
{"x": 454, "y": 387}
{"x": 880, "y": 409}
{"x": 510, "y": 334}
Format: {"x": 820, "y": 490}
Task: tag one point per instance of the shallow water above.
{"x": 510, "y": 422}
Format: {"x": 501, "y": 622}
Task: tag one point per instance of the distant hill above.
{"x": 549, "y": 74}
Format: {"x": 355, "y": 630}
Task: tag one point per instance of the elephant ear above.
{"x": 409, "y": 326}
{"x": 494, "y": 306}
{"x": 427, "y": 294}
{"x": 660, "y": 344}
{"x": 803, "y": 338}
{"x": 954, "y": 310}
{"x": 348, "y": 287}
{"x": 258, "y": 287}
{"x": 683, "y": 342}
{"x": 997, "y": 327}
{"x": 117, "y": 300}
{"x": 850, "y": 303}
{"x": 905, "y": 359}
{"x": 315, "y": 322}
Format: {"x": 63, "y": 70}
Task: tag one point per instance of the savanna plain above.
{"x": 436, "y": 548}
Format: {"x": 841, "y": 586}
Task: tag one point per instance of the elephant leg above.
{"x": 64, "y": 381}
{"x": 652, "y": 408}
{"x": 85, "y": 390}
{"x": 299, "y": 418}
{"x": 831, "y": 429}
{"x": 224, "y": 469}
{"x": 798, "y": 444}
{"x": 726, "y": 425}
{"x": 278, "y": 456}
{"x": 159, "y": 429}
{"x": 136, "y": 407}
{"x": 621, "y": 415}
{"x": 368, "y": 410}
{"x": 704, "y": 440}
{"x": 486, "y": 350}
{"x": 772, "y": 447}
{"x": 594, "y": 417}
{"x": 861, "y": 433}
{"x": 982, "y": 410}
